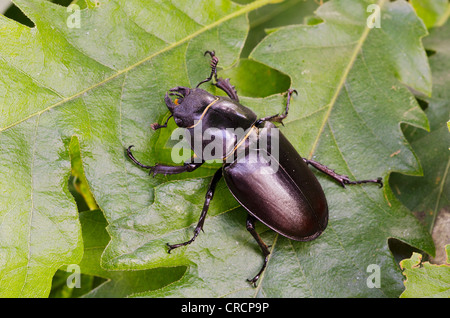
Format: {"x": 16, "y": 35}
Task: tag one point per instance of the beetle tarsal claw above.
{"x": 155, "y": 126}
{"x": 253, "y": 280}
{"x": 380, "y": 181}
{"x": 345, "y": 180}
{"x": 289, "y": 92}
{"x": 211, "y": 53}
{"x": 170, "y": 248}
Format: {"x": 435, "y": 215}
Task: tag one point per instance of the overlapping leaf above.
{"x": 424, "y": 279}
{"x": 104, "y": 82}
{"x": 428, "y": 195}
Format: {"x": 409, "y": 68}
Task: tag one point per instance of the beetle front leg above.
{"x": 279, "y": 118}
{"x": 342, "y": 179}
{"x": 201, "y": 221}
{"x": 265, "y": 249}
{"x": 164, "y": 169}
{"x": 214, "y": 62}
{"x": 223, "y": 84}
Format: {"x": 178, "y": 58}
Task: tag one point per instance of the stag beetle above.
{"x": 288, "y": 199}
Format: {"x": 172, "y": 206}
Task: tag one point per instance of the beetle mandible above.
{"x": 290, "y": 200}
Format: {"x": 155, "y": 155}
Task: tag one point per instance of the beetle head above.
{"x": 189, "y": 104}
{"x": 179, "y": 91}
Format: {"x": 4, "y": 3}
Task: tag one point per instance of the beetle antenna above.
{"x": 214, "y": 62}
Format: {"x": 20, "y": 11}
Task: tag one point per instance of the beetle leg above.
{"x": 130, "y": 155}
{"x": 156, "y": 126}
{"x": 342, "y": 179}
{"x": 225, "y": 85}
{"x": 251, "y": 228}
{"x": 163, "y": 169}
{"x": 201, "y": 221}
{"x": 214, "y": 62}
{"x": 279, "y": 118}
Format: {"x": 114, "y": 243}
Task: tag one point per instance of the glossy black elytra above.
{"x": 288, "y": 199}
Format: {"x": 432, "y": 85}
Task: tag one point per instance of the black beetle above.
{"x": 289, "y": 200}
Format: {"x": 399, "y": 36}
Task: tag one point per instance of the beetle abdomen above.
{"x": 282, "y": 192}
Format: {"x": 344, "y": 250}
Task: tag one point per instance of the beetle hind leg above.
{"x": 264, "y": 248}
{"x": 279, "y": 118}
{"x": 342, "y": 179}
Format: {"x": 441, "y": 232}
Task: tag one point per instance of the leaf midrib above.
{"x": 250, "y": 7}
{"x": 341, "y": 83}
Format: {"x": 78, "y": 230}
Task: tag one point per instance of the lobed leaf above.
{"x": 427, "y": 195}
{"x": 104, "y": 83}
{"x": 424, "y": 279}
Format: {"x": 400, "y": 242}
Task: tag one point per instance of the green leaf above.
{"x": 118, "y": 283}
{"x": 424, "y": 279}
{"x": 432, "y": 12}
{"x": 250, "y": 79}
{"x": 276, "y": 15}
{"x": 97, "y": 282}
{"x": 427, "y": 195}
{"x": 103, "y": 83}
